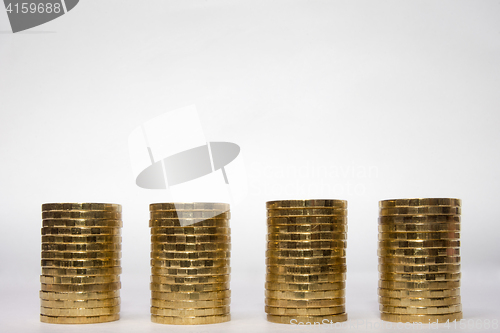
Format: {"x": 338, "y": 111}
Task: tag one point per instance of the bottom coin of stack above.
{"x": 81, "y": 249}
{"x": 419, "y": 260}
{"x": 305, "y": 258}
{"x": 190, "y": 263}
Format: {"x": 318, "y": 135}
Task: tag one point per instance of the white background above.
{"x": 356, "y": 100}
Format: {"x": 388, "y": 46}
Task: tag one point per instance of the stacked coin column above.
{"x": 306, "y": 265}
{"x": 190, "y": 263}
{"x": 419, "y": 260}
{"x": 81, "y": 249}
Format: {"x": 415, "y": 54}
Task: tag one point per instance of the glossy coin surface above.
{"x": 212, "y": 295}
{"x": 278, "y": 311}
{"x": 79, "y": 320}
{"x": 77, "y": 296}
{"x": 421, "y": 202}
{"x": 419, "y": 293}
{"x": 307, "y": 320}
{"x": 90, "y": 303}
{"x": 421, "y": 310}
{"x": 171, "y": 320}
{"x": 313, "y": 203}
{"x": 421, "y": 318}
{"x": 198, "y": 312}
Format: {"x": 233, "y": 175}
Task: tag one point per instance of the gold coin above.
{"x": 273, "y": 259}
{"x": 304, "y": 286}
{"x": 429, "y": 210}
{"x": 191, "y": 239}
{"x": 79, "y": 320}
{"x": 78, "y": 296}
{"x": 191, "y": 271}
{"x": 185, "y": 222}
{"x": 81, "y": 206}
{"x": 191, "y": 255}
{"x": 306, "y": 244}
{"x": 192, "y": 288}
{"x": 222, "y": 310}
{"x": 419, "y": 285}
{"x": 306, "y": 270}
{"x": 442, "y": 318}
{"x": 190, "y": 304}
{"x": 170, "y": 320}
{"x": 81, "y": 271}
{"x": 420, "y": 277}
{"x": 179, "y": 247}
{"x": 443, "y": 268}
{"x": 419, "y": 219}
{"x": 418, "y": 243}
{"x": 416, "y": 252}
{"x": 305, "y": 261}
{"x": 81, "y": 263}
{"x": 81, "y": 255}
{"x": 194, "y": 263}
{"x": 306, "y": 278}
{"x": 321, "y": 294}
{"x": 421, "y": 310}
{"x": 419, "y": 302}
{"x": 82, "y": 223}
{"x": 210, "y": 295}
{"x": 307, "y": 253}
{"x": 191, "y": 231}
{"x": 307, "y": 212}
{"x": 421, "y": 202}
{"x": 419, "y": 260}
{"x": 306, "y": 228}
{"x": 79, "y": 279}
{"x": 89, "y": 303}
{"x": 189, "y": 206}
{"x": 81, "y": 214}
{"x": 323, "y": 311}
{"x": 80, "y": 311}
{"x": 315, "y": 303}
{"x": 309, "y": 236}
{"x": 189, "y": 214}
{"x": 423, "y": 293}
{"x": 82, "y": 239}
{"x": 300, "y": 220}
{"x": 81, "y": 287}
{"x": 419, "y": 235}
{"x": 308, "y": 320}
{"x": 321, "y": 203}
{"x": 190, "y": 280}
{"x": 99, "y": 247}
{"x": 419, "y": 227}
{"x": 80, "y": 231}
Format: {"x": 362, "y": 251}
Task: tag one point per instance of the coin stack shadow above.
{"x": 306, "y": 264}
{"x": 81, "y": 250}
{"x": 190, "y": 272}
{"x": 419, "y": 260}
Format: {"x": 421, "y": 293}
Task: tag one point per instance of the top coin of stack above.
{"x": 305, "y": 258}
{"x": 419, "y": 260}
{"x": 190, "y": 254}
{"x": 81, "y": 250}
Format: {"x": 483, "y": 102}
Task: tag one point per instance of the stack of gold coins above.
{"x": 190, "y": 270}
{"x": 306, "y": 265}
{"x": 419, "y": 260}
{"x": 81, "y": 250}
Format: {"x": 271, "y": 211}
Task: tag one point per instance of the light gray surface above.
{"x": 355, "y": 100}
